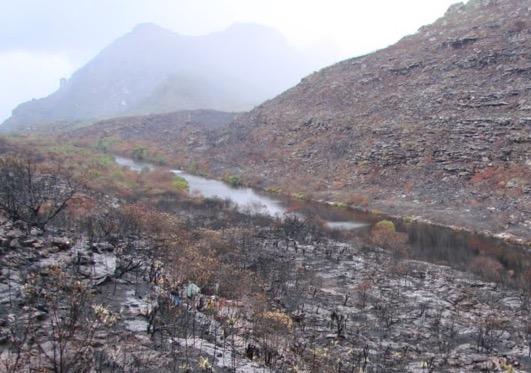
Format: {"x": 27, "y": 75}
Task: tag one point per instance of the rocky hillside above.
{"x": 154, "y": 70}
{"x": 157, "y": 135}
{"x": 442, "y": 119}
{"x": 437, "y": 126}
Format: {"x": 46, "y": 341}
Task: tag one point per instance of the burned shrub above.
{"x": 488, "y": 268}
{"x": 32, "y": 196}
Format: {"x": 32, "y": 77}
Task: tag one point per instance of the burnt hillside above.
{"x": 440, "y": 119}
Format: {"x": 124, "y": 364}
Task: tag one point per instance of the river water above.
{"x": 252, "y": 201}
{"x": 428, "y": 242}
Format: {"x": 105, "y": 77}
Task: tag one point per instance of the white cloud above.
{"x": 354, "y": 26}
{"x": 26, "y": 75}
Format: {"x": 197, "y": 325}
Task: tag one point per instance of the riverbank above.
{"x": 427, "y": 241}
{"x": 486, "y": 221}
{"x": 492, "y": 199}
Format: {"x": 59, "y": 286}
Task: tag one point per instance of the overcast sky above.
{"x": 44, "y": 40}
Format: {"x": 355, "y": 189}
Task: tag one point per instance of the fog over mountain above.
{"x": 154, "y": 70}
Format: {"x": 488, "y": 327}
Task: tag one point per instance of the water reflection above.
{"x": 251, "y": 201}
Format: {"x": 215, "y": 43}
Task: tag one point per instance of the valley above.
{"x": 272, "y": 293}
{"x": 190, "y": 204}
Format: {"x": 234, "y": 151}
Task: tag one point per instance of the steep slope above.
{"x": 440, "y": 120}
{"x": 153, "y": 70}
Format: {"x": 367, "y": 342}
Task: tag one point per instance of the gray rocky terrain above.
{"x": 343, "y": 306}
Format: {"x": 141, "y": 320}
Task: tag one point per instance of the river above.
{"x": 427, "y": 241}
{"x": 252, "y": 201}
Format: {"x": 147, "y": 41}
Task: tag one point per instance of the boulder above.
{"x": 14, "y": 233}
{"x": 4, "y": 241}
{"x": 102, "y": 246}
{"x": 28, "y": 241}
{"x": 36, "y": 231}
{"x": 15, "y": 244}
{"x": 62, "y": 243}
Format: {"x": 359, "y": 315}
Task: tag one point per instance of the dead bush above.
{"x": 486, "y": 267}
{"x": 31, "y": 196}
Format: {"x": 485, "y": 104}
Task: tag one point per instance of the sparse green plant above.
{"x": 180, "y": 183}
{"x": 105, "y": 144}
{"x": 233, "y": 180}
{"x": 340, "y": 205}
{"x": 139, "y": 153}
{"x": 387, "y": 225}
{"x": 274, "y": 190}
{"x": 299, "y": 196}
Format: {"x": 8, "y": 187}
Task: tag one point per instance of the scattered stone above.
{"x": 102, "y": 246}
{"x": 14, "y": 233}
{"x": 15, "y": 244}
{"x": 62, "y": 243}
{"x": 36, "y": 231}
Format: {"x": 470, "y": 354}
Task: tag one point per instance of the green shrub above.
{"x": 139, "y": 153}
{"x": 159, "y": 159}
{"x": 180, "y": 183}
{"x": 340, "y": 205}
{"x": 63, "y": 149}
{"x": 384, "y": 234}
{"x": 105, "y": 160}
{"x": 275, "y": 190}
{"x": 299, "y": 196}
{"x": 386, "y": 225}
{"x": 104, "y": 144}
{"x": 409, "y": 219}
{"x": 233, "y": 180}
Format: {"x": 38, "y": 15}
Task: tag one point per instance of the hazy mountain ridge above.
{"x": 152, "y": 70}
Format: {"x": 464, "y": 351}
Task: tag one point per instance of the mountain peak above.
{"x": 152, "y": 69}
{"x": 149, "y": 27}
